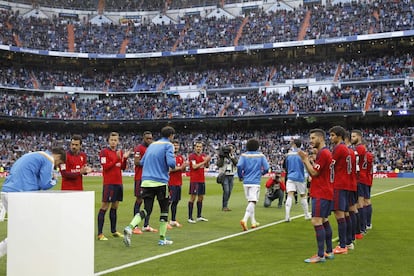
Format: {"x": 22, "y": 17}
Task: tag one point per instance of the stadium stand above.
{"x": 254, "y": 27}
{"x": 392, "y": 147}
{"x": 246, "y": 88}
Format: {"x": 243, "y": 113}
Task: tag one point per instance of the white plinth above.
{"x": 50, "y": 233}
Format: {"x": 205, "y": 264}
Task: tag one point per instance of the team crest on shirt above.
{"x": 103, "y": 160}
{"x": 81, "y": 158}
{"x": 63, "y": 167}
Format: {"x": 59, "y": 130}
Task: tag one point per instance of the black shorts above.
{"x": 148, "y": 195}
{"x": 161, "y": 192}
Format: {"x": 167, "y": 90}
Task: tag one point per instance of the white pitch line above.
{"x": 215, "y": 240}
{"x": 394, "y": 189}
{"x": 189, "y": 248}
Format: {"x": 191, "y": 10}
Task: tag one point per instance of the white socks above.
{"x": 304, "y": 203}
{"x": 250, "y": 213}
{"x": 288, "y": 205}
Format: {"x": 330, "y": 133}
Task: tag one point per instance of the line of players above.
{"x": 341, "y": 182}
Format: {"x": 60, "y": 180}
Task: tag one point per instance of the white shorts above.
{"x": 296, "y": 186}
{"x": 252, "y": 192}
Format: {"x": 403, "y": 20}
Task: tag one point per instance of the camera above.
{"x": 225, "y": 150}
{"x": 277, "y": 176}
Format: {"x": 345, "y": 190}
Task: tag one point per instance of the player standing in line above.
{"x": 33, "y": 171}
{"x": 139, "y": 152}
{"x": 251, "y": 166}
{"x": 350, "y": 216}
{"x": 175, "y": 183}
{"x": 295, "y": 179}
{"x": 321, "y": 192}
{"x": 157, "y": 161}
{"x": 75, "y": 166}
{"x": 197, "y": 162}
{"x": 367, "y": 200}
{"x": 342, "y": 169}
{"x": 364, "y": 189}
{"x": 113, "y": 161}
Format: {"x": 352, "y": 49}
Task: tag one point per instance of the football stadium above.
{"x": 221, "y": 74}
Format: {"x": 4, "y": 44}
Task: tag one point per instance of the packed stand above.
{"x": 122, "y": 6}
{"x": 392, "y": 147}
{"x": 119, "y": 80}
{"x": 161, "y": 106}
{"x": 154, "y": 105}
{"x": 196, "y": 32}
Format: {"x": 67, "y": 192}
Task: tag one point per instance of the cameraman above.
{"x": 275, "y": 188}
{"x": 227, "y": 163}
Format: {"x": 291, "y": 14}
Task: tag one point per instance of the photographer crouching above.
{"x": 226, "y": 163}
{"x": 275, "y": 188}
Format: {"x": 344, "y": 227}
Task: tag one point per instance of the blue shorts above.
{"x": 364, "y": 191}
{"x": 340, "y": 200}
{"x": 112, "y": 193}
{"x": 175, "y": 193}
{"x": 197, "y": 188}
{"x": 137, "y": 188}
{"x": 353, "y": 197}
{"x": 321, "y": 208}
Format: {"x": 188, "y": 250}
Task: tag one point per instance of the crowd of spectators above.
{"x": 162, "y": 106}
{"x": 392, "y": 147}
{"x": 123, "y": 80}
{"x": 122, "y": 6}
{"x": 194, "y": 31}
{"x": 365, "y": 18}
{"x": 155, "y": 105}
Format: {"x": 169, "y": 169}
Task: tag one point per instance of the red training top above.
{"x": 139, "y": 151}
{"x": 196, "y": 175}
{"x": 176, "y": 178}
{"x": 70, "y": 171}
{"x": 112, "y": 166}
{"x": 322, "y": 184}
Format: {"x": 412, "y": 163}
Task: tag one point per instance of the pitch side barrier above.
{"x": 394, "y": 175}
{"x": 214, "y": 174}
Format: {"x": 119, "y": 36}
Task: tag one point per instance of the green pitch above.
{"x": 220, "y": 247}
